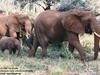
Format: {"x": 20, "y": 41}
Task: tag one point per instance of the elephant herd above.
{"x": 52, "y": 26}
{"x": 12, "y": 28}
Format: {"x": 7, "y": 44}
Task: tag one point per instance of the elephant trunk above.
{"x": 28, "y": 28}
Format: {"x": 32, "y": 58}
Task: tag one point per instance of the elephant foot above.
{"x": 31, "y": 54}
{"x": 95, "y": 55}
{"x": 45, "y": 55}
{"x": 10, "y": 52}
{"x": 83, "y": 57}
{"x": 84, "y": 63}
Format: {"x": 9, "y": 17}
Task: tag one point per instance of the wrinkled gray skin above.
{"x": 10, "y": 43}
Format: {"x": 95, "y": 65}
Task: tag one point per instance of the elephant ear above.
{"x": 88, "y": 19}
{"x": 20, "y": 18}
{"x": 72, "y": 23}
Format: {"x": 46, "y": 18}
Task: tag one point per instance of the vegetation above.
{"x": 60, "y": 61}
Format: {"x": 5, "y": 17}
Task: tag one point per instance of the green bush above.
{"x": 57, "y": 50}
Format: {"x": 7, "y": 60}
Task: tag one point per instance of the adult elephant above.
{"x": 16, "y": 23}
{"x": 54, "y": 26}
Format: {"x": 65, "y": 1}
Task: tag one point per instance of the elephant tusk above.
{"x": 27, "y": 35}
{"x": 97, "y": 34}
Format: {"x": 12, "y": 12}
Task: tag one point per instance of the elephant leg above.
{"x": 13, "y": 34}
{"x": 18, "y": 53}
{"x": 34, "y": 48}
{"x": 21, "y": 43}
{"x": 44, "y": 50}
{"x": 74, "y": 40}
{"x": 14, "y": 51}
{"x": 29, "y": 43}
{"x": 18, "y": 50}
{"x": 71, "y": 48}
{"x": 10, "y": 51}
{"x": 3, "y": 50}
{"x": 96, "y": 46}
{"x": 44, "y": 43}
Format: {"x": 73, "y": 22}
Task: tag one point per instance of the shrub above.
{"x": 57, "y": 50}
{"x": 79, "y": 4}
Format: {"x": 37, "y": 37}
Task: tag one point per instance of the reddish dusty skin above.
{"x": 54, "y": 26}
{"x": 10, "y": 43}
{"x": 15, "y": 23}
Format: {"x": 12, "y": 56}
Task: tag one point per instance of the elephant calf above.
{"x": 11, "y": 44}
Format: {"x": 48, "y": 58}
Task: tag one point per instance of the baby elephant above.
{"x": 10, "y": 43}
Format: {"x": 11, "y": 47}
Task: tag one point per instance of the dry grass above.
{"x": 54, "y": 65}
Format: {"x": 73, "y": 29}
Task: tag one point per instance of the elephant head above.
{"x": 85, "y": 22}
{"x": 24, "y": 23}
{"x": 80, "y": 22}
